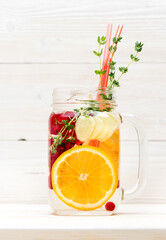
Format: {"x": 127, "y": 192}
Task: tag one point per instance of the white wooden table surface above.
{"x": 32, "y": 222}
{"x": 36, "y": 222}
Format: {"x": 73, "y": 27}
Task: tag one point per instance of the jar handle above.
{"x": 142, "y": 164}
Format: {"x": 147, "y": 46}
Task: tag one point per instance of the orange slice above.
{"x": 113, "y": 141}
{"x": 111, "y": 147}
{"x": 112, "y": 154}
{"x": 84, "y": 177}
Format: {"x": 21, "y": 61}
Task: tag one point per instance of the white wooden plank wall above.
{"x": 47, "y": 44}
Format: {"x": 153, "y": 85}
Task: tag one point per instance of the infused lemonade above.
{"x": 84, "y": 140}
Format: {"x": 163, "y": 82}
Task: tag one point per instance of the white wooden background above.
{"x": 49, "y": 43}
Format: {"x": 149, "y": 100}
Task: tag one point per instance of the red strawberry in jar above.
{"x": 62, "y": 134}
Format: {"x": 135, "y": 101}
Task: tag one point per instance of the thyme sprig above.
{"x": 101, "y": 41}
{"x": 113, "y": 82}
{"x": 123, "y": 70}
{"x": 60, "y": 137}
{"x": 113, "y": 47}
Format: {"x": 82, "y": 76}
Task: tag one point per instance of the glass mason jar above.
{"x": 84, "y": 153}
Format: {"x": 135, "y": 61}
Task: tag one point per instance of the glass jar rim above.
{"x": 84, "y": 98}
{"x": 65, "y": 94}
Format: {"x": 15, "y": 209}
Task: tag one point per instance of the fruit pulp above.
{"x": 105, "y": 128}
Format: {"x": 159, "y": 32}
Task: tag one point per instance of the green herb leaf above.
{"x": 101, "y": 40}
{"x": 116, "y": 40}
{"x": 68, "y": 127}
{"x": 77, "y": 112}
{"x": 98, "y": 72}
{"x": 112, "y": 63}
{"x": 103, "y": 72}
{"x": 96, "y": 53}
{"x": 103, "y": 96}
{"x": 110, "y": 48}
{"x": 65, "y": 121}
{"x": 111, "y": 74}
{"x": 123, "y": 69}
{"x": 138, "y": 46}
{"x": 53, "y": 149}
{"x": 106, "y": 96}
{"x": 100, "y": 53}
{"x": 70, "y": 139}
{"x": 98, "y": 39}
{"x": 112, "y": 68}
{"x": 116, "y": 83}
{"x": 135, "y": 59}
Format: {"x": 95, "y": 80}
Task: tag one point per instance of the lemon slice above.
{"x": 84, "y": 177}
{"x": 98, "y": 128}
{"x": 84, "y": 127}
{"x": 110, "y": 125}
{"x": 116, "y": 115}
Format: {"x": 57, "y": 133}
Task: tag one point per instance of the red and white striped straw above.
{"x": 107, "y": 45}
{"x": 118, "y": 33}
{"x": 106, "y": 57}
{"x": 106, "y": 53}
